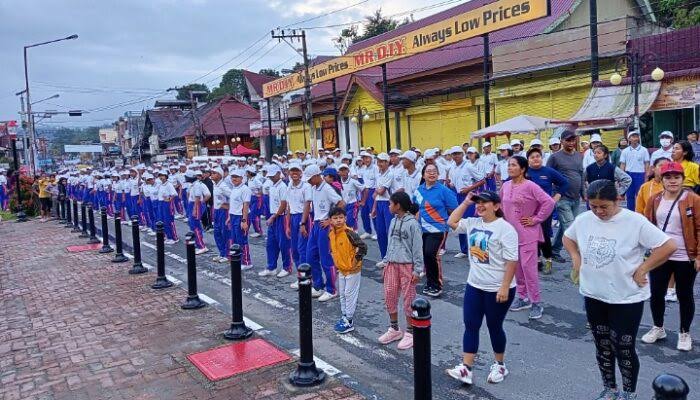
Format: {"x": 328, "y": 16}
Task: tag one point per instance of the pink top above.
{"x": 674, "y": 229}
{"x": 526, "y": 199}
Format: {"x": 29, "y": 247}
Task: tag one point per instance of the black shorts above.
{"x": 45, "y": 203}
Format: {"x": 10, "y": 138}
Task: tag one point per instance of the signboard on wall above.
{"x": 190, "y": 146}
{"x": 479, "y": 21}
{"x": 683, "y": 92}
{"x": 328, "y": 135}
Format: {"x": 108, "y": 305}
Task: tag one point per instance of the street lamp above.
{"x": 360, "y": 115}
{"x": 30, "y": 124}
{"x": 637, "y": 62}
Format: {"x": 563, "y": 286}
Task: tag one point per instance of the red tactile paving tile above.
{"x": 84, "y": 247}
{"x": 226, "y": 361}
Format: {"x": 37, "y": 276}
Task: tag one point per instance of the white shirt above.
{"x": 256, "y": 184}
{"x": 588, "y": 158}
{"x": 323, "y": 197}
{"x": 134, "y": 186}
{"x": 278, "y": 194}
{"x": 369, "y": 175}
{"x": 491, "y": 245}
{"x": 502, "y": 169}
{"x": 385, "y": 180}
{"x": 3, "y": 180}
{"x": 239, "y": 194}
{"x": 351, "y": 190}
{"x": 297, "y": 196}
{"x": 488, "y": 162}
{"x": 222, "y": 192}
{"x": 411, "y": 181}
{"x": 660, "y": 153}
{"x": 476, "y": 170}
{"x": 166, "y": 190}
{"x": 610, "y": 253}
{"x": 634, "y": 158}
{"x": 198, "y": 191}
{"x": 460, "y": 175}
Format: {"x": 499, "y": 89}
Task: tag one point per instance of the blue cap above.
{"x": 330, "y": 171}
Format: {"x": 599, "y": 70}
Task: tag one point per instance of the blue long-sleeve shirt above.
{"x": 434, "y": 206}
{"x": 549, "y": 180}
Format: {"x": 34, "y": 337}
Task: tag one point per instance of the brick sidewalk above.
{"x": 76, "y": 326}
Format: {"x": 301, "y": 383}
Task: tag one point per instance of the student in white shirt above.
{"x": 411, "y": 175}
{"x": 380, "y": 213}
{"x": 635, "y": 161}
{"x": 257, "y": 209}
{"x": 354, "y": 194}
{"x": 239, "y": 215}
{"x": 489, "y": 162}
{"x": 4, "y": 191}
{"x": 222, "y": 192}
{"x": 368, "y": 177}
{"x": 459, "y": 180}
{"x": 277, "y": 241}
{"x": 666, "y": 142}
{"x": 166, "y": 209}
{"x": 298, "y": 201}
{"x": 198, "y": 195}
{"x": 607, "y": 246}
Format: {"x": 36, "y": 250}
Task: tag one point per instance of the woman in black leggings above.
{"x": 674, "y": 211}
{"x": 607, "y": 246}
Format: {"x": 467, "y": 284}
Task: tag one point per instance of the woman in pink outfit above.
{"x": 526, "y": 206}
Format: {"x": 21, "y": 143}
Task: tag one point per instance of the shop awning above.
{"x": 519, "y": 124}
{"x": 612, "y": 107}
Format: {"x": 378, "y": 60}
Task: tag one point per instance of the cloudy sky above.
{"x": 130, "y": 51}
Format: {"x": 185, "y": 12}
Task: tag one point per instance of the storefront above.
{"x": 677, "y": 107}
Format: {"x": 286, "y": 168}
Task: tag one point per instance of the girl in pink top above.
{"x": 526, "y": 206}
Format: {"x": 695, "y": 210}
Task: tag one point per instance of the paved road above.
{"x": 548, "y": 359}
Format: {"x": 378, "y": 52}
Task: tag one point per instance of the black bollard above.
{"x": 76, "y": 227}
{"x": 62, "y": 203}
{"x": 161, "y": 281}
{"x": 670, "y": 387}
{"x": 420, "y": 320}
{"x": 119, "y": 256}
{"x": 106, "y": 248}
{"x": 193, "y": 301}
{"x": 93, "y": 231}
{"x": 60, "y": 213}
{"x": 306, "y": 373}
{"x": 238, "y": 330}
{"x": 83, "y": 218}
{"x": 69, "y": 219}
{"x": 137, "y": 268}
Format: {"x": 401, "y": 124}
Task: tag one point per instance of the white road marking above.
{"x": 150, "y": 246}
{"x": 352, "y": 340}
{"x": 252, "y": 324}
{"x": 327, "y": 368}
{"x": 207, "y": 299}
{"x": 271, "y": 302}
{"x": 174, "y": 280}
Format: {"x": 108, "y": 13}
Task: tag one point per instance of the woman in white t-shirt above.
{"x": 493, "y": 258}
{"x": 607, "y": 246}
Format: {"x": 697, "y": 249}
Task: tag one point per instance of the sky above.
{"x": 129, "y": 52}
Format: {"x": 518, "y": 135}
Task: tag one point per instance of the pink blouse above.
{"x": 526, "y": 199}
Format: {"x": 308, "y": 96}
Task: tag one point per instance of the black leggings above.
{"x": 433, "y": 263}
{"x": 685, "y": 279}
{"x": 614, "y": 328}
{"x": 546, "y": 247}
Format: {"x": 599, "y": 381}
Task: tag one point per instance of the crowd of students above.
{"x": 501, "y": 207}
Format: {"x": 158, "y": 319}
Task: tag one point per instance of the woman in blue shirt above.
{"x": 435, "y": 203}
{"x": 553, "y": 183}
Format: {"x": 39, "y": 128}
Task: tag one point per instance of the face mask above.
{"x": 665, "y": 142}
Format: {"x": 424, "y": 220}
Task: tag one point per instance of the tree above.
{"x": 678, "y": 13}
{"x": 374, "y": 25}
{"x": 183, "y": 92}
{"x": 269, "y": 72}
{"x": 232, "y": 83}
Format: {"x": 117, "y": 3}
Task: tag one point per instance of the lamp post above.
{"x": 30, "y": 124}
{"x": 21, "y": 216}
{"x": 637, "y": 62}
{"x": 359, "y": 116}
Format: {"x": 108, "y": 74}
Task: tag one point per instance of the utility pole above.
{"x": 487, "y": 83}
{"x": 23, "y": 115}
{"x": 593, "y": 10}
{"x": 283, "y": 36}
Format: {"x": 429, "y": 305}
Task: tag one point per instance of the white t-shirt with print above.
{"x": 323, "y": 197}
{"x": 491, "y": 245}
{"x": 610, "y": 253}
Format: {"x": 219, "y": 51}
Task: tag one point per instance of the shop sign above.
{"x": 328, "y": 134}
{"x": 489, "y": 18}
{"x": 683, "y": 92}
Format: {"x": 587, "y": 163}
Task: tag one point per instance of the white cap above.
{"x": 535, "y": 142}
{"x": 311, "y": 171}
{"x": 596, "y": 138}
{"x": 295, "y": 165}
{"x": 289, "y": 153}
{"x": 554, "y": 140}
{"x": 505, "y": 146}
{"x": 666, "y": 133}
{"x": 417, "y": 150}
{"x": 383, "y": 157}
{"x": 472, "y": 150}
{"x": 365, "y": 154}
{"x": 410, "y": 155}
{"x": 343, "y": 166}
{"x": 218, "y": 170}
{"x": 515, "y": 142}
{"x": 346, "y": 157}
{"x": 395, "y": 151}
{"x": 430, "y": 154}
{"x": 273, "y": 169}
{"x": 454, "y": 149}
{"x": 250, "y": 169}
{"x": 259, "y": 163}
{"x": 485, "y": 144}
{"x": 237, "y": 172}
{"x": 146, "y": 175}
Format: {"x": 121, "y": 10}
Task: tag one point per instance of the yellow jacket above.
{"x": 347, "y": 249}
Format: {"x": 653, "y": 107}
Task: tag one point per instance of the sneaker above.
{"x": 626, "y": 396}
{"x": 224, "y": 260}
{"x": 380, "y": 265}
{"x": 246, "y": 267}
{"x": 267, "y": 272}
{"x": 547, "y": 269}
{"x": 374, "y": 237}
{"x": 685, "y": 342}
{"x": 608, "y": 394}
{"x": 654, "y": 334}
{"x": 535, "y": 311}
{"x": 520, "y": 304}
{"x": 151, "y": 233}
{"x": 143, "y": 228}
{"x": 498, "y": 373}
{"x": 671, "y": 295}
{"x": 461, "y": 373}
{"x": 421, "y": 275}
{"x": 216, "y": 258}
{"x": 406, "y": 342}
{"x": 316, "y": 293}
{"x": 343, "y": 326}
{"x": 283, "y": 273}
{"x": 432, "y": 292}
{"x": 558, "y": 259}
{"x": 327, "y": 297}
{"x": 254, "y": 235}
{"x": 295, "y": 285}
{"x": 171, "y": 242}
{"x": 390, "y": 335}
{"x": 460, "y": 255}
{"x": 365, "y": 235}
{"x": 201, "y": 251}
{"x": 441, "y": 252}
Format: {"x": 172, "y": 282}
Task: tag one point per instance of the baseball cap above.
{"x": 430, "y": 154}
{"x": 383, "y": 157}
{"x": 395, "y": 151}
{"x": 515, "y": 142}
{"x": 272, "y": 169}
{"x": 472, "y": 150}
{"x": 454, "y": 149}
{"x": 666, "y": 134}
{"x": 365, "y": 154}
{"x": 632, "y": 133}
{"x": 535, "y": 142}
{"x": 505, "y": 146}
{"x": 485, "y": 144}
{"x": 311, "y": 171}
{"x": 410, "y": 155}
{"x": 672, "y": 168}
{"x": 343, "y": 166}
{"x": 330, "y": 172}
{"x": 218, "y": 170}
{"x": 553, "y": 141}
{"x": 567, "y": 134}
{"x": 487, "y": 196}
{"x": 346, "y": 157}
{"x": 295, "y": 165}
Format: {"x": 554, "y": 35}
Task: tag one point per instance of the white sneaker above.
{"x": 246, "y": 267}
{"x": 380, "y": 265}
{"x": 151, "y": 233}
{"x": 654, "y": 334}
{"x": 201, "y": 251}
{"x": 224, "y": 260}
{"x": 498, "y": 373}
{"x": 267, "y": 272}
{"x": 216, "y": 258}
{"x": 460, "y": 255}
{"x": 143, "y": 228}
{"x": 295, "y": 285}
{"x": 170, "y": 242}
{"x": 671, "y": 295}
{"x": 374, "y": 237}
{"x": 316, "y": 293}
{"x": 254, "y": 235}
{"x": 282, "y": 273}
{"x": 461, "y": 373}
{"x": 441, "y": 252}
{"x": 327, "y": 296}
{"x": 365, "y": 235}
{"x": 685, "y": 342}
{"x": 422, "y": 274}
